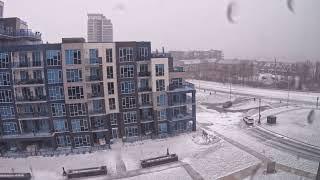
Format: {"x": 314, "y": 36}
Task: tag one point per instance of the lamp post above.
{"x": 259, "y": 121}
{"x": 288, "y": 93}
{"x": 317, "y": 102}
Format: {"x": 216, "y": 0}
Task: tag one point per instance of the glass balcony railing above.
{"x": 184, "y": 85}
{"x": 29, "y": 81}
{"x": 22, "y": 33}
{"x": 144, "y": 74}
{"x": 26, "y": 64}
{"x": 94, "y": 78}
{"x": 31, "y": 98}
{"x": 145, "y": 89}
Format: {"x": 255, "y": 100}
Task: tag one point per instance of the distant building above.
{"x": 187, "y": 55}
{"x": 1, "y": 9}
{"x": 99, "y": 28}
{"x": 14, "y": 31}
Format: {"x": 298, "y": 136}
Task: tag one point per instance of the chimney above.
{"x": 162, "y": 50}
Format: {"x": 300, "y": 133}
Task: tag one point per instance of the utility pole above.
{"x": 259, "y": 121}
{"x": 317, "y": 102}
{"x": 318, "y": 174}
{"x": 288, "y": 93}
{"x": 230, "y": 83}
{"x": 275, "y": 73}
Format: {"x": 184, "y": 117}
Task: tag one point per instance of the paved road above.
{"x": 308, "y": 98}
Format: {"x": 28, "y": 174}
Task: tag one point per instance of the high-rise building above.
{"x": 1, "y": 9}
{"x": 99, "y": 28}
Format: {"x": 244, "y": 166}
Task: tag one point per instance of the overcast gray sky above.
{"x": 264, "y": 28}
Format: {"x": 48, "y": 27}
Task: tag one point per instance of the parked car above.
{"x": 248, "y": 120}
{"x": 227, "y": 104}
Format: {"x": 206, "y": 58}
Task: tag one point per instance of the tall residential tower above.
{"x": 99, "y": 28}
{"x": 1, "y": 9}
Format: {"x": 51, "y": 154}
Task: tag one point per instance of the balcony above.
{"x": 145, "y": 89}
{"x": 26, "y": 64}
{"x": 22, "y": 33}
{"x": 146, "y": 119}
{"x": 182, "y": 102}
{"x": 182, "y": 86}
{"x": 182, "y": 116}
{"x": 146, "y": 104}
{"x": 94, "y": 61}
{"x": 33, "y": 115}
{"x": 95, "y": 95}
{"x": 94, "y": 78}
{"x": 144, "y": 74}
{"x": 97, "y": 111}
{"x": 31, "y": 98}
{"x": 29, "y": 81}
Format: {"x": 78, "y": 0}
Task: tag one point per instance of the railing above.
{"x": 94, "y": 78}
{"x": 33, "y": 115}
{"x": 144, "y": 89}
{"x": 146, "y": 118}
{"x": 93, "y": 61}
{"x": 181, "y": 86}
{"x": 182, "y": 102}
{"x": 182, "y": 116}
{"x": 146, "y": 104}
{"x": 94, "y": 95}
{"x": 144, "y": 74}
{"x": 31, "y": 98}
{"x": 29, "y": 81}
{"x": 161, "y": 55}
{"x": 97, "y": 111}
{"x": 21, "y": 33}
{"x": 27, "y": 64}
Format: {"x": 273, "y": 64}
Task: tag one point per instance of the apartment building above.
{"x": 99, "y": 29}
{"x": 78, "y": 93}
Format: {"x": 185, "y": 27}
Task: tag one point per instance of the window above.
{"x": 130, "y": 117}
{"x": 56, "y": 93}
{"x": 79, "y": 125}
{"x": 128, "y": 102}
{"x": 77, "y": 109}
{"x": 110, "y": 88}
{"x": 4, "y": 60}
{"x": 176, "y": 81}
{"x": 5, "y": 96}
{"x": 127, "y": 87}
{"x": 113, "y": 119}
{"x": 109, "y": 72}
{"x": 75, "y": 92}
{"x": 145, "y": 99}
{"x": 94, "y": 56}
{"x": 112, "y": 103}
{"x": 60, "y": 125}
{"x": 10, "y": 128}
{"x": 131, "y": 131}
{"x": 109, "y": 55}
{"x": 143, "y": 53}
{"x": 37, "y": 74}
{"x": 143, "y": 67}
{"x": 63, "y": 141}
{"x": 53, "y": 58}
{"x": 98, "y": 106}
{"x": 7, "y": 112}
{"x": 160, "y": 85}
{"x": 58, "y": 109}
{"x": 163, "y": 127}
{"x": 82, "y": 141}
{"x": 144, "y": 83}
{"x": 5, "y": 79}
{"x": 74, "y": 75}
{"x": 54, "y": 76}
{"x": 97, "y": 123}
{"x": 161, "y": 100}
{"x": 159, "y": 69}
{"x": 73, "y": 56}
{"x": 162, "y": 114}
{"x": 97, "y": 90}
{"x": 36, "y": 58}
{"x": 126, "y": 54}
{"x": 127, "y": 71}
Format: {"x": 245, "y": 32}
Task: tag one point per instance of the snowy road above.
{"x": 294, "y": 96}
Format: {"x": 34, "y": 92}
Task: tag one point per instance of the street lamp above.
{"x": 259, "y": 121}
{"x": 317, "y": 102}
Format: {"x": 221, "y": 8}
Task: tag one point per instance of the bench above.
{"x": 15, "y": 176}
{"x": 159, "y": 160}
{"x": 86, "y": 172}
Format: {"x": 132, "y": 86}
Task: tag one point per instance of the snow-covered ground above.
{"x": 210, "y": 158}
{"x": 295, "y": 124}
